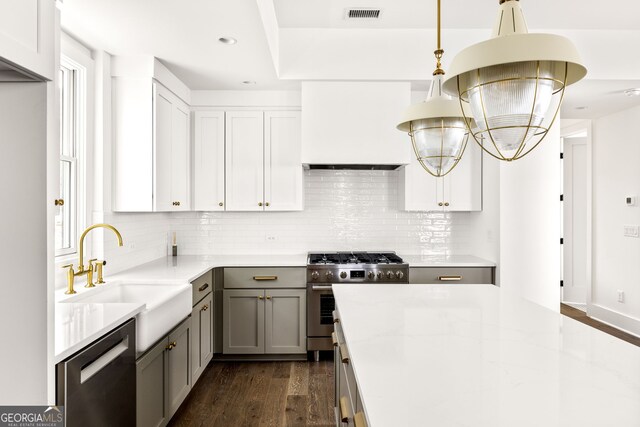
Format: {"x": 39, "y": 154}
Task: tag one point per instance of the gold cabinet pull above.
{"x": 259, "y": 278}
{"x": 176, "y": 203}
{"x": 449, "y": 278}
{"x": 359, "y": 420}
{"x": 260, "y": 297}
{"x": 171, "y": 345}
{"x": 344, "y": 353}
{"x": 440, "y": 204}
{"x": 259, "y": 203}
{"x": 345, "y": 413}
{"x": 446, "y": 203}
{"x": 58, "y": 202}
{"x": 334, "y": 339}
{"x": 205, "y": 307}
{"x": 220, "y": 204}
{"x": 267, "y": 204}
{"x": 268, "y": 296}
{"x": 203, "y": 287}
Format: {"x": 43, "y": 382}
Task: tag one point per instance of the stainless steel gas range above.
{"x": 324, "y": 269}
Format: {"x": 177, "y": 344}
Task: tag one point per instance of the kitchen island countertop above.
{"x": 474, "y": 355}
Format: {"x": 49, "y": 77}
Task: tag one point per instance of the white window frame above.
{"x": 73, "y": 58}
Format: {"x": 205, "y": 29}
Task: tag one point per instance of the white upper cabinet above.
{"x": 354, "y": 123}
{"x": 208, "y": 161}
{"x": 247, "y": 161}
{"x": 152, "y": 142}
{"x": 244, "y": 161}
{"x": 282, "y": 166}
{"x": 460, "y": 190}
{"x": 27, "y": 37}
{"x": 171, "y": 135}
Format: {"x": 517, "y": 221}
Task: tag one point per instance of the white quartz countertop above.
{"x": 79, "y": 324}
{"x": 186, "y": 268}
{"x": 474, "y": 355}
{"x": 446, "y": 261}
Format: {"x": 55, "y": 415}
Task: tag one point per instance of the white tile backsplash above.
{"x": 344, "y": 210}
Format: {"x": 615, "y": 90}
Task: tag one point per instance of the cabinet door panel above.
{"x": 418, "y": 191}
{"x": 285, "y": 321}
{"x": 208, "y": 161}
{"x": 27, "y": 30}
{"x": 243, "y": 324}
{"x": 162, "y": 134}
{"x": 180, "y": 157}
{"x": 151, "y": 403}
{"x": 465, "y": 181}
{"x": 179, "y": 374}
{"x": 282, "y": 164}
{"x": 201, "y": 332}
{"x": 244, "y": 153}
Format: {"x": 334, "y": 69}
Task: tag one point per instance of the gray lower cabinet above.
{"x": 264, "y": 321}
{"x": 452, "y": 275}
{"x": 285, "y": 321}
{"x": 163, "y": 378}
{"x": 202, "y": 336}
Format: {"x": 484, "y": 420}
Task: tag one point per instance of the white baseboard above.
{"x": 613, "y": 318}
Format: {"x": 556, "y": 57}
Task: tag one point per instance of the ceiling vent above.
{"x": 367, "y": 13}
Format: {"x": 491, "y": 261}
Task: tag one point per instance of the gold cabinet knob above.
{"x": 205, "y": 307}
{"x": 260, "y": 297}
{"x": 59, "y": 202}
{"x": 220, "y": 204}
{"x": 259, "y": 203}
{"x": 440, "y": 204}
{"x": 267, "y": 204}
{"x": 268, "y": 297}
{"x": 446, "y": 203}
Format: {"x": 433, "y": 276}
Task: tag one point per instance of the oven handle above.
{"x": 321, "y": 288}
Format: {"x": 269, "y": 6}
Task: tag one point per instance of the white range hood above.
{"x": 352, "y": 125}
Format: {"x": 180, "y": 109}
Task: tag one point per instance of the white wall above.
{"x": 616, "y": 258}
{"x": 24, "y": 254}
{"x": 530, "y": 223}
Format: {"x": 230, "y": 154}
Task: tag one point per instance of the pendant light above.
{"x": 437, "y": 127}
{"x": 514, "y": 83}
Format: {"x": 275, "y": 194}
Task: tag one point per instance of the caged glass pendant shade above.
{"x": 514, "y": 84}
{"x": 437, "y": 129}
{"x": 437, "y": 126}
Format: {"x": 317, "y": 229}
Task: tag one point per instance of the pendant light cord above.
{"x": 438, "y": 52}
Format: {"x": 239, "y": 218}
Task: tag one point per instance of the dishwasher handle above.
{"x": 109, "y": 356}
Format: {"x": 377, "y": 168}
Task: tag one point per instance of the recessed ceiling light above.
{"x": 249, "y": 82}
{"x": 633, "y": 91}
{"x": 227, "y": 40}
{"x": 581, "y": 108}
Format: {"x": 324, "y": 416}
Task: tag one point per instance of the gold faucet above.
{"x": 89, "y": 270}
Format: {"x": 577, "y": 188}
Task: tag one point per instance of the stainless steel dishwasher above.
{"x": 97, "y": 386}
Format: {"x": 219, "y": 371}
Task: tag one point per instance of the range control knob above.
{"x": 390, "y": 275}
{"x": 379, "y": 274}
{"x": 399, "y": 275}
{"x": 343, "y": 274}
{"x": 329, "y": 274}
{"x": 315, "y": 275}
{"x": 371, "y": 275}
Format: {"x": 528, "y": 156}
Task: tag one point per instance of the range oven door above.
{"x": 320, "y": 306}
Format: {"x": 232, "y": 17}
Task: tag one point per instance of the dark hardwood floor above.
{"x": 260, "y": 394}
{"x": 581, "y": 316}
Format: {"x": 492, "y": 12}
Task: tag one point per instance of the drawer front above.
{"x": 451, "y": 275}
{"x": 265, "y": 277}
{"x": 202, "y": 286}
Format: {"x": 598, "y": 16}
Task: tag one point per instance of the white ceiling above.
{"x": 313, "y": 41}
{"x": 574, "y": 14}
{"x": 183, "y": 35}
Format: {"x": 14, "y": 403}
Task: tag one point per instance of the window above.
{"x": 69, "y": 216}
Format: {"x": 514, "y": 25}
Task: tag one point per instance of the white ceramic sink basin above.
{"x": 165, "y": 306}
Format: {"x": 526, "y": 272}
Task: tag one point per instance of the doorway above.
{"x": 576, "y": 217}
